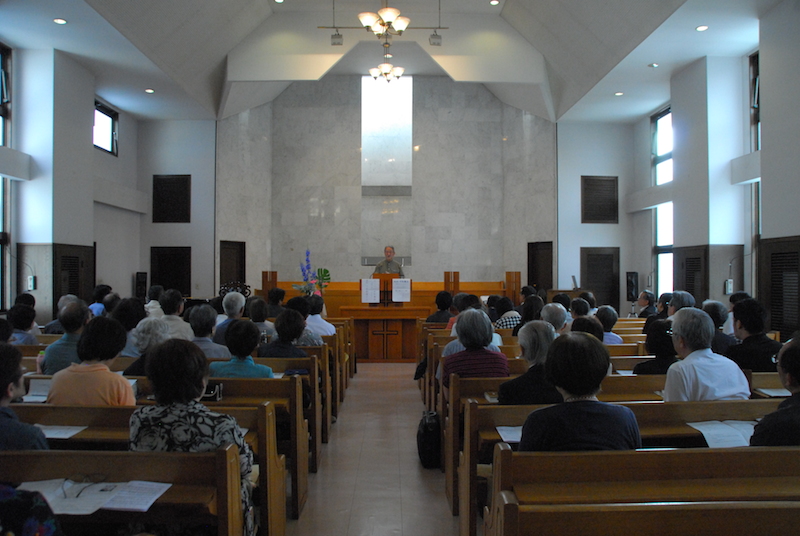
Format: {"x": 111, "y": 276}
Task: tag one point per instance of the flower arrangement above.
{"x": 314, "y": 282}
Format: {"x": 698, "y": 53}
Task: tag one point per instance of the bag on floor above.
{"x": 429, "y": 445}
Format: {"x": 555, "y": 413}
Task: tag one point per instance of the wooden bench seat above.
{"x": 660, "y": 425}
{"x": 206, "y": 487}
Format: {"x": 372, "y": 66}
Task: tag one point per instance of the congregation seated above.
{"x": 233, "y": 305}
{"x": 153, "y": 305}
{"x": 458, "y": 306}
{"x": 443, "y": 302}
{"x": 733, "y": 299}
{"x": 524, "y": 293}
{"x": 474, "y": 330}
{"x": 579, "y": 307}
{"x": 782, "y": 428}
{"x": 172, "y": 304}
{"x": 591, "y": 300}
{"x": 700, "y": 374}
{"x": 491, "y": 307}
{"x": 531, "y": 309}
{"x": 15, "y": 435}
{"x": 259, "y": 311}
{"x": 99, "y": 292}
{"x": 588, "y": 324}
{"x": 535, "y": 339}
{"x": 54, "y": 327}
{"x": 129, "y": 312}
{"x": 203, "y": 319}
{"x": 508, "y": 317}
{"x": 241, "y": 338}
{"x": 647, "y": 301}
{"x": 275, "y": 298}
{"x": 662, "y": 306}
{"x": 178, "y": 422}
{"x": 556, "y": 315}
{"x": 308, "y": 338}
{"x": 110, "y": 302}
{"x": 90, "y": 382}
{"x": 29, "y": 300}
{"x": 149, "y": 333}
{"x": 315, "y": 322}
{"x": 63, "y": 352}
{"x": 22, "y": 317}
{"x": 289, "y": 326}
{"x": 576, "y": 364}
{"x": 608, "y": 316}
{"x": 756, "y": 349}
{"x": 719, "y": 313}
{"x": 658, "y": 343}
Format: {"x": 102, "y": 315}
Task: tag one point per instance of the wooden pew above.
{"x": 660, "y": 425}
{"x": 206, "y": 487}
{"x": 346, "y": 326}
{"x": 119, "y": 364}
{"x": 630, "y": 388}
{"x": 664, "y": 476}
{"x": 631, "y": 348}
{"x": 628, "y": 362}
{"x": 628, "y": 338}
{"x": 511, "y": 351}
{"x": 287, "y": 395}
{"x": 31, "y": 350}
{"x": 46, "y": 339}
{"x": 739, "y": 518}
{"x": 109, "y": 429}
{"x": 329, "y": 404}
{"x": 337, "y": 382}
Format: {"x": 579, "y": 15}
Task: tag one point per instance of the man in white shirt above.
{"x": 172, "y": 305}
{"x": 315, "y": 322}
{"x": 701, "y": 374}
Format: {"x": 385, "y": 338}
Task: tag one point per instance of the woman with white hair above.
{"x": 147, "y": 334}
{"x": 535, "y": 338}
{"x": 475, "y": 332}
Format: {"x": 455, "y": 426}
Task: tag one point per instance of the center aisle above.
{"x": 370, "y": 481}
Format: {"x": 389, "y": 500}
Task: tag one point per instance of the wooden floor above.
{"x": 370, "y": 481}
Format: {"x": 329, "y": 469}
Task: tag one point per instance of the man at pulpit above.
{"x": 388, "y": 265}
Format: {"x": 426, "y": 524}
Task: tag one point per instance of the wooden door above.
{"x": 231, "y": 261}
{"x": 171, "y": 267}
{"x": 540, "y": 265}
{"x": 600, "y": 274}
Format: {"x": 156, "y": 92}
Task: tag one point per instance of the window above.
{"x": 105, "y": 128}
{"x": 663, "y": 249}
{"x": 662, "y": 146}
{"x": 5, "y": 139}
{"x": 755, "y": 105}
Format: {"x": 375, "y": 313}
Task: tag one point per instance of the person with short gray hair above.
{"x": 680, "y": 299}
{"x": 63, "y": 352}
{"x": 54, "y": 327}
{"x": 148, "y": 333}
{"x": 535, "y": 338}
{"x": 556, "y": 314}
{"x": 475, "y": 332}
{"x": 701, "y": 374}
{"x": 233, "y": 304}
{"x": 203, "y": 318}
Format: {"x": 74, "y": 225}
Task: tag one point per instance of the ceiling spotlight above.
{"x": 702, "y": 28}
{"x": 149, "y": 90}
{"x": 60, "y": 21}
{"x": 494, "y": 2}
{"x": 619, "y": 94}
{"x": 435, "y": 39}
{"x": 653, "y": 65}
{"x": 337, "y": 39}
{"x": 278, "y": 1}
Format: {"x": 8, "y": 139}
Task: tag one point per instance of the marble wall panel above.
{"x": 244, "y": 187}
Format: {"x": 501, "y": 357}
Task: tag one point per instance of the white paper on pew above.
{"x": 774, "y": 393}
{"x": 136, "y": 496}
{"x": 370, "y": 291}
{"x": 625, "y": 372}
{"x": 277, "y": 374}
{"x": 63, "y": 495}
{"x": 510, "y": 434}
{"x": 37, "y": 391}
{"x": 60, "y": 432}
{"x": 720, "y": 434}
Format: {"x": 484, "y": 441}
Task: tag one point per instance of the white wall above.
{"x": 181, "y": 148}
{"x": 780, "y": 159}
{"x": 602, "y": 150}
{"x": 118, "y": 236}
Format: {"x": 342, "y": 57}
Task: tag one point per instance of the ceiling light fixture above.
{"x": 388, "y": 71}
{"x": 278, "y": 1}
{"x": 653, "y": 65}
{"x": 494, "y": 2}
{"x": 702, "y": 28}
{"x": 619, "y": 94}
{"x": 149, "y": 90}
{"x": 60, "y": 21}
{"x": 386, "y": 21}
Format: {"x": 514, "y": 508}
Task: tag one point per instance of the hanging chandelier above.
{"x": 387, "y": 21}
{"x": 388, "y": 71}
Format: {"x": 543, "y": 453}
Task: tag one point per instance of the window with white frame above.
{"x": 662, "y": 147}
{"x": 663, "y": 249}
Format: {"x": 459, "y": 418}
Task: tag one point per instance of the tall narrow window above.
{"x": 755, "y": 104}
{"x": 662, "y": 147}
{"x": 105, "y": 128}
{"x": 663, "y": 249}
{"x": 5, "y": 139}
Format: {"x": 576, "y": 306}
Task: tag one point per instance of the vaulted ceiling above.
{"x": 212, "y": 59}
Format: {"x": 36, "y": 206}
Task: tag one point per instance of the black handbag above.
{"x": 429, "y": 442}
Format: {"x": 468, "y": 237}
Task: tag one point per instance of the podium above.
{"x": 385, "y": 331}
